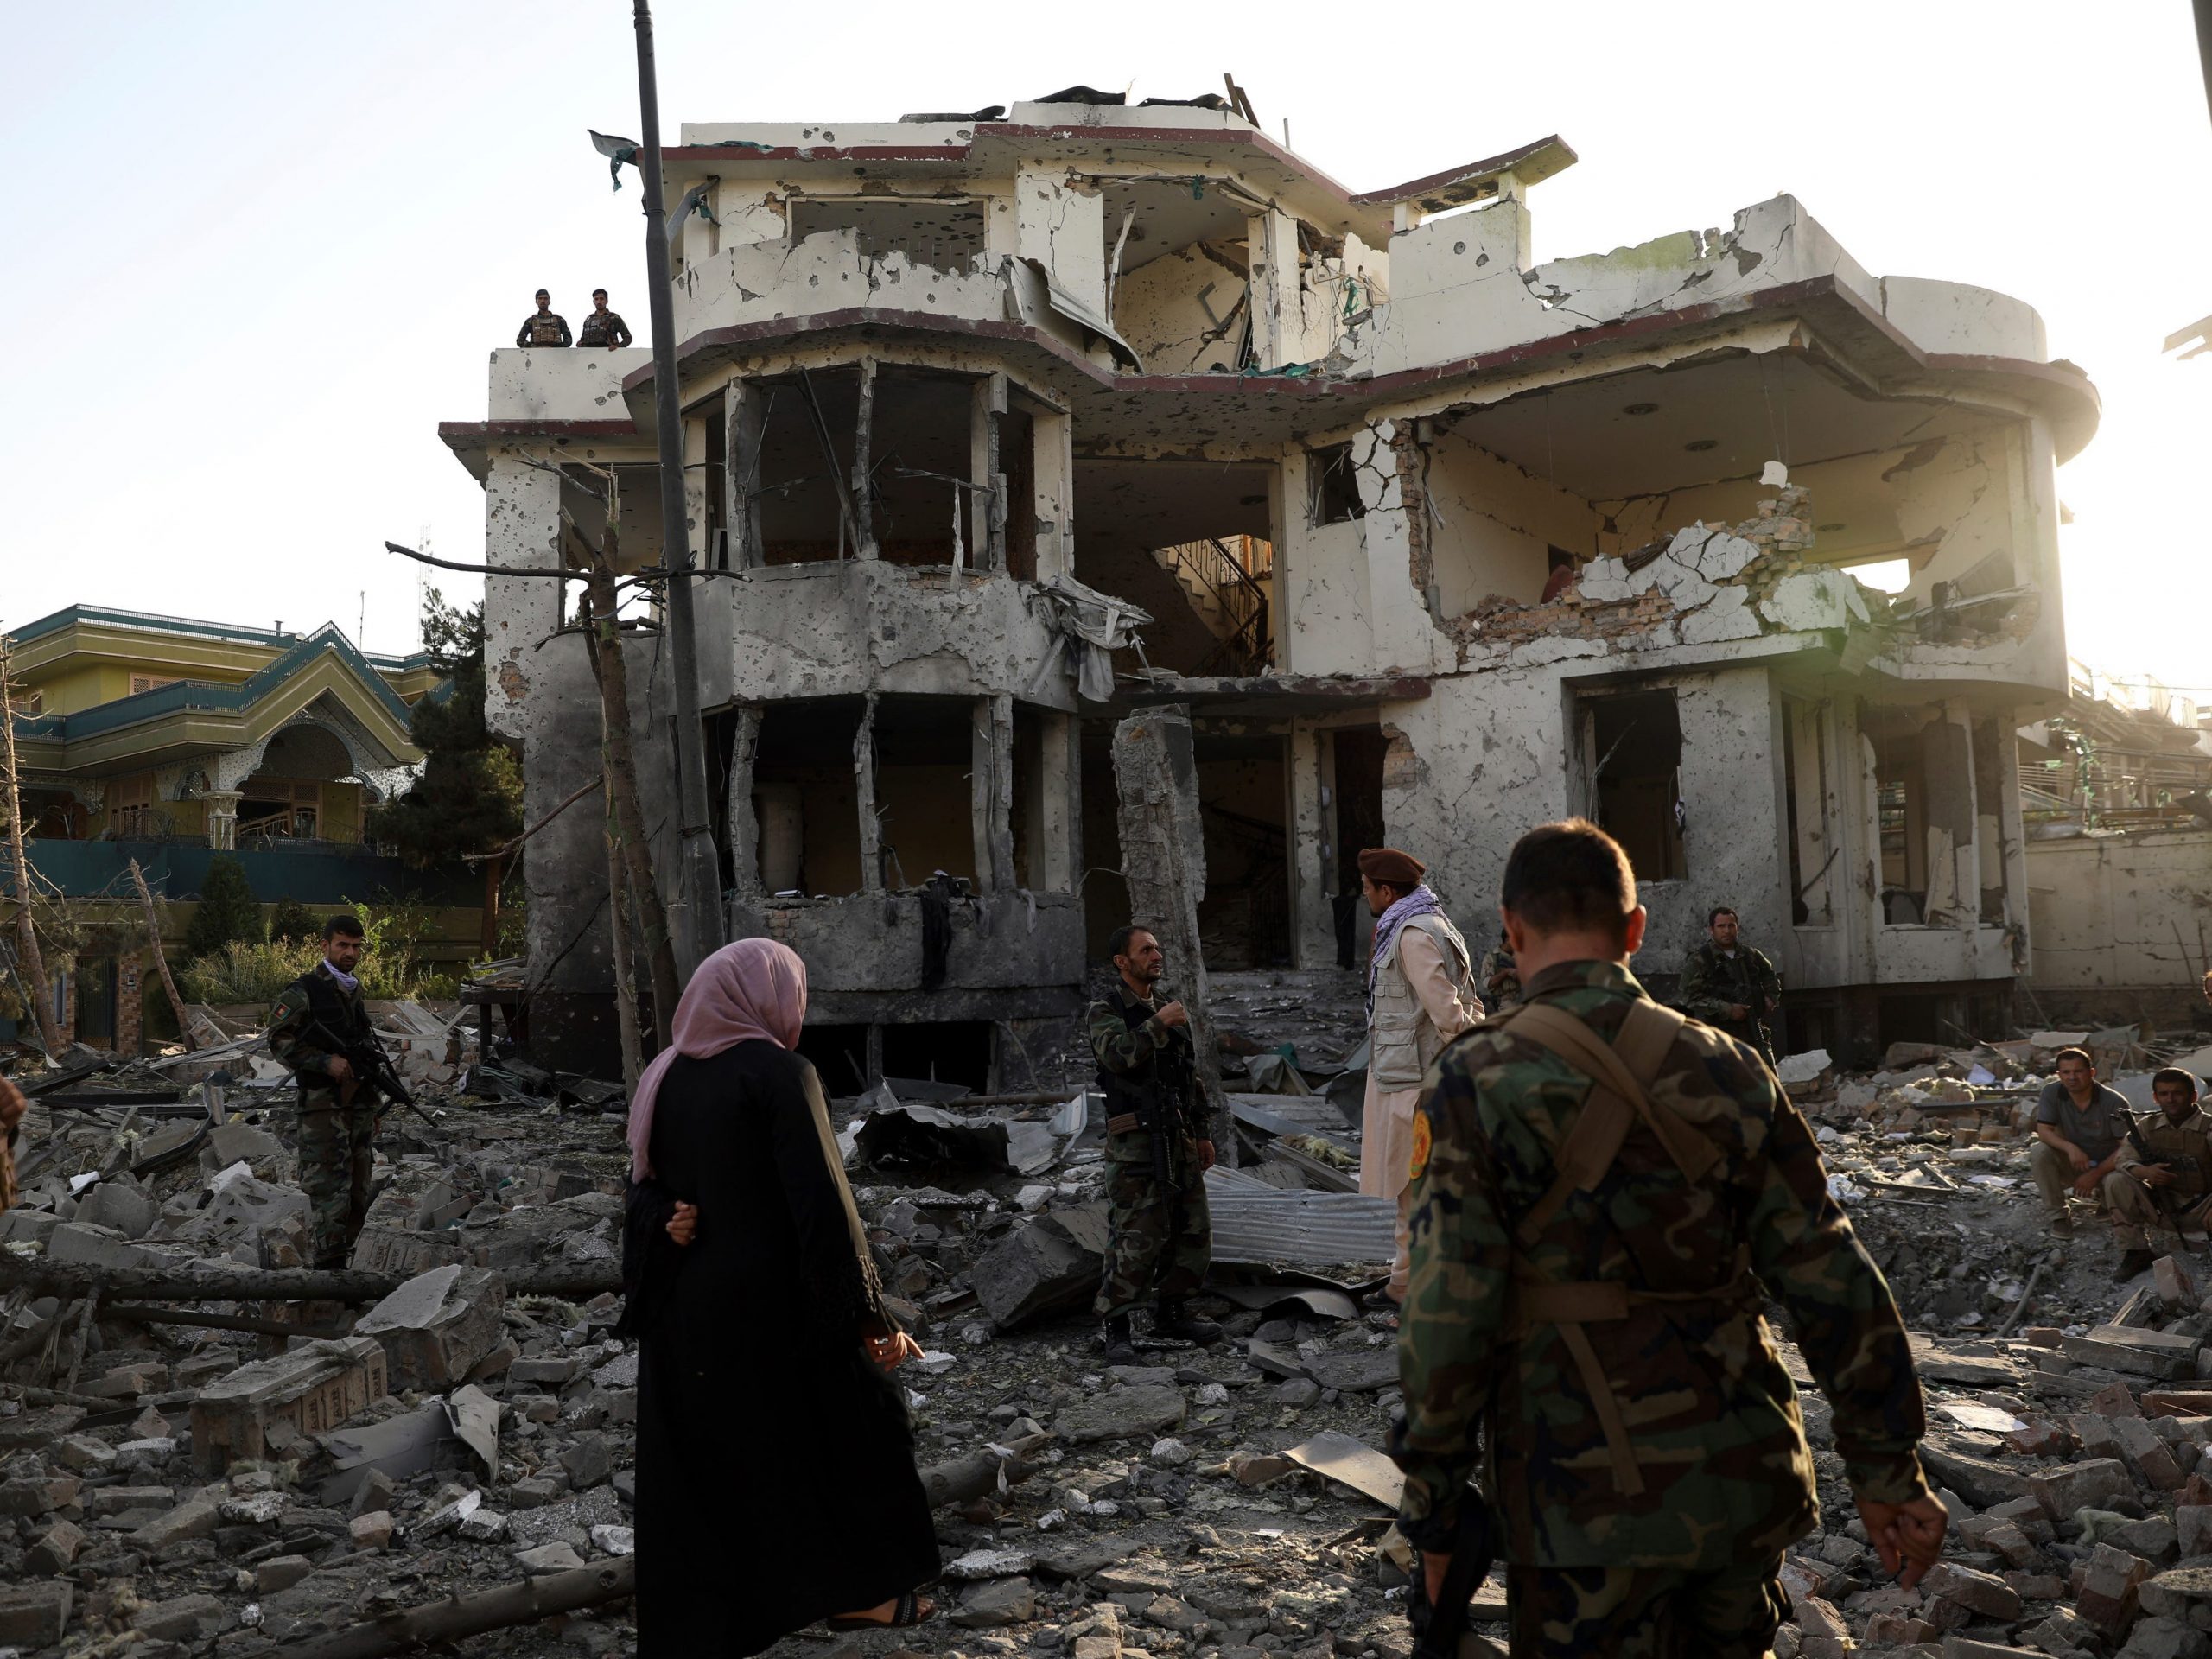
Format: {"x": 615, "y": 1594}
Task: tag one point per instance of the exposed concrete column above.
{"x": 863, "y": 490}
{"x": 743, "y": 409}
{"x": 987, "y": 501}
{"x": 744, "y": 821}
{"x": 1055, "y": 807}
{"x": 1947, "y": 782}
{"x": 1277, "y": 319}
{"x": 991, "y": 791}
{"x": 695, "y": 490}
{"x": 1310, "y": 774}
{"x": 522, "y": 527}
{"x": 864, "y": 794}
{"x": 1052, "y": 467}
{"x": 1164, "y": 861}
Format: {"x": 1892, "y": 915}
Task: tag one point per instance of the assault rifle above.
{"x": 370, "y": 1064}
{"x": 2169, "y": 1204}
{"x": 1438, "y": 1627}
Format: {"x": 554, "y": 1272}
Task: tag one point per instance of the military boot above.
{"x": 1120, "y": 1348}
{"x": 1173, "y": 1322}
{"x": 2130, "y": 1263}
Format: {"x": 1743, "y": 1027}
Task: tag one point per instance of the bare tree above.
{"x": 29, "y": 959}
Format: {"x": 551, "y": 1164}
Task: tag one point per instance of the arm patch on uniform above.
{"x": 1422, "y": 1140}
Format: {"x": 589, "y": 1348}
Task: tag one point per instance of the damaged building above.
{"x": 1001, "y": 426}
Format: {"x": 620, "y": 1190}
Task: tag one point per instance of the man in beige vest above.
{"x": 1420, "y": 995}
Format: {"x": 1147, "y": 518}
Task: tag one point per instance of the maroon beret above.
{"x": 1392, "y": 867}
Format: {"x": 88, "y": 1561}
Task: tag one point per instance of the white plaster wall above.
{"x": 540, "y": 384}
{"x": 522, "y": 507}
{"x": 845, "y": 628}
{"x": 2121, "y": 910}
{"x": 1491, "y": 525}
{"x": 1457, "y": 290}
{"x": 1157, "y": 309}
{"x": 1955, "y": 317}
{"x": 1062, "y": 225}
{"x": 1324, "y": 615}
{"x": 758, "y": 281}
{"x": 1486, "y": 757}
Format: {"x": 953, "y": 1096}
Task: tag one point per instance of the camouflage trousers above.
{"x": 336, "y": 1156}
{"x": 1630, "y": 1612}
{"x": 1162, "y": 1238}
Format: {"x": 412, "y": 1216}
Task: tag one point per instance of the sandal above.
{"x": 905, "y": 1611}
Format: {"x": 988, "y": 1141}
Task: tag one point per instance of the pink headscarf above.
{"x": 755, "y": 988}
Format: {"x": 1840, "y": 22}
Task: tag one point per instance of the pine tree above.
{"x": 467, "y": 799}
{"x": 228, "y": 912}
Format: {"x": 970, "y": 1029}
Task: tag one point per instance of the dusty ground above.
{"x": 1182, "y": 1533}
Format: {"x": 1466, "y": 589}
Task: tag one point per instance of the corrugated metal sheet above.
{"x": 1255, "y": 1223}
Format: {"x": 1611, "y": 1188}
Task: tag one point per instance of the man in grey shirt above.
{"x": 2081, "y": 1125}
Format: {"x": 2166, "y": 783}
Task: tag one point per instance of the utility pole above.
{"x": 703, "y": 927}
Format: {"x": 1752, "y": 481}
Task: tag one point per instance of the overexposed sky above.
{"x": 255, "y": 252}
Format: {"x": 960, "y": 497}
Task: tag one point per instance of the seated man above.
{"x": 2164, "y": 1160}
{"x": 2080, "y": 1126}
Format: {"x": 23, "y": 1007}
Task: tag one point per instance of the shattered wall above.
{"x": 2119, "y": 917}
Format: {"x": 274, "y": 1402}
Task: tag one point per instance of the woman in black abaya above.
{"x": 776, "y": 1483}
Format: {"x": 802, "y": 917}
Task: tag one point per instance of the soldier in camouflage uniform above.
{"x": 1730, "y": 986}
{"x": 543, "y": 326}
{"x": 602, "y": 325}
{"x": 1603, "y": 1192}
{"x": 338, "y": 1110}
{"x": 1498, "y": 978}
{"x": 1156, "y": 1154}
{"x": 2164, "y": 1174}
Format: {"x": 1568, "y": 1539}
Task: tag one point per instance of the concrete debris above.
{"x": 241, "y": 1491}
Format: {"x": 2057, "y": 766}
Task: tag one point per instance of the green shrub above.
{"x": 228, "y": 912}
{"x": 293, "y": 923}
{"x": 242, "y": 973}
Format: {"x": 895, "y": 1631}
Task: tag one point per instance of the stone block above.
{"x": 55, "y": 1549}
{"x": 181, "y": 1618}
{"x": 2095, "y": 1435}
{"x": 1001, "y": 1601}
{"x": 1049, "y": 1265}
{"x": 370, "y": 1531}
{"x": 120, "y": 1205}
{"x": 401, "y": 1250}
{"x": 34, "y": 1616}
{"x": 1965, "y": 1647}
{"x": 435, "y": 1328}
{"x": 238, "y": 1143}
{"x": 2086, "y": 1485}
{"x": 1125, "y": 1413}
{"x": 2135, "y": 1350}
{"x": 2113, "y": 1399}
{"x": 1895, "y": 1631}
{"x": 37, "y": 1495}
{"x": 542, "y": 1370}
{"x": 2165, "y": 1638}
{"x": 27, "y": 1226}
{"x": 2175, "y": 1288}
{"x": 196, "y": 1517}
{"x": 99, "y": 1247}
{"x": 2193, "y": 1527}
{"x": 281, "y": 1573}
{"x": 2109, "y": 1583}
{"x": 1983, "y": 1594}
{"x": 309, "y": 1391}
{"x": 2063, "y": 1634}
{"x": 2148, "y": 1453}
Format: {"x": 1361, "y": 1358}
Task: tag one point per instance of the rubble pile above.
{"x": 456, "y": 1415}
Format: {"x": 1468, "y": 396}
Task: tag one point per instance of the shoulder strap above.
{"x": 1620, "y": 1074}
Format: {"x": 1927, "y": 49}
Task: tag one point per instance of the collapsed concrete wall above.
{"x": 2122, "y": 923}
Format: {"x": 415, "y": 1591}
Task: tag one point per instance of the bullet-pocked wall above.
{"x": 1478, "y": 763}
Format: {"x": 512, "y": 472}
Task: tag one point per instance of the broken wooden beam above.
{"x": 269, "y": 1284}
{"x": 523, "y": 1602}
